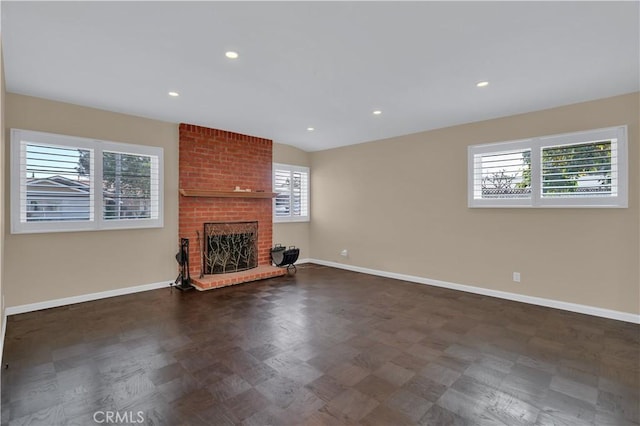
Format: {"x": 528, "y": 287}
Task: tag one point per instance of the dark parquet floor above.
{"x": 323, "y": 347}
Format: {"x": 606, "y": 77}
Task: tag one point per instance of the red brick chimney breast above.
{"x": 217, "y": 160}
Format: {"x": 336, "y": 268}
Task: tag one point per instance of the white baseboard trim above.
{"x": 533, "y": 300}
{"x": 21, "y": 309}
{"x": 4, "y": 331}
{"x": 557, "y": 304}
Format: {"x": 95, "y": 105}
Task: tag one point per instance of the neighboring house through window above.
{"x": 57, "y": 198}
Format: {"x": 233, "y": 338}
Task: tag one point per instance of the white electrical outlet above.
{"x": 516, "y": 277}
{"x": 344, "y": 253}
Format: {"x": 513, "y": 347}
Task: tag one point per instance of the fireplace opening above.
{"x": 230, "y": 247}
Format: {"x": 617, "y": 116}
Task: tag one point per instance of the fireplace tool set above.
{"x": 183, "y": 282}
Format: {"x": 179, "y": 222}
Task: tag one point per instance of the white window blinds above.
{"x": 52, "y": 186}
{"x": 130, "y": 186}
{"x": 582, "y": 169}
{"x": 64, "y": 183}
{"x": 291, "y": 183}
{"x": 502, "y": 175}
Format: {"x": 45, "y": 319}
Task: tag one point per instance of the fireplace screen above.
{"x": 230, "y": 247}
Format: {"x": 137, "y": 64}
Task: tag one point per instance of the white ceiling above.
{"x": 322, "y": 64}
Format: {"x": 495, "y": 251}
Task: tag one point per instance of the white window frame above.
{"x": 291, "y": 168}
{"x": 96, "y": 221}
{"x": 536, "y": 145}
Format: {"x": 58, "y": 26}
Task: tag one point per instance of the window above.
{"x": 291, "y": 183}
{"x": 583, "y": 169}
{"x": 64, "y": 183}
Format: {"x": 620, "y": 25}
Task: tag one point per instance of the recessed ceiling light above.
{"x": 482, "y": 84}
{"x": 310, "y": 129}
{"x": 377, "y": 112}
{"x": 174, "y": 94}
{"x": 231, "y": 54}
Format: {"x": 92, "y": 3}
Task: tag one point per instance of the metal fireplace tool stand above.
{"x": 183, "y": 282}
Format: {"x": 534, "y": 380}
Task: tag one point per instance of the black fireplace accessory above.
{"x": 183, "y": 282}
{"x": 285, "y": 257}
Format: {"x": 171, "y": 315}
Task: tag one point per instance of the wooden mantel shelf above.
{"x": 225, "y": 194}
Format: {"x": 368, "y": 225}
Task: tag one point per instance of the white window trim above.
{"x": 292, "y": 168}
{"x": 97, "y": 222}
{"x": 536, "y": 145}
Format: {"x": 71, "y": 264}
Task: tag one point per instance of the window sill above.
{"x": 291, "y": 220}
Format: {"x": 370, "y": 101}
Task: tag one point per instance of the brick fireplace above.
{"x": 212, "y": 164}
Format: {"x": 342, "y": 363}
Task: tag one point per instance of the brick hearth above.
{"x": 222, "y": 280}
{"x": 217, "y": 160}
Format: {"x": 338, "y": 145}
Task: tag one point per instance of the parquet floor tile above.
{"x": 321, "y": 347}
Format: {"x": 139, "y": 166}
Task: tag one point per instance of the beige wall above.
{"x": 294, "y": 233}
{"x": 397, "y": 205}
{"x": 2, "y": 170}
{"x": 41, "y": 267}
{"x": 400, "y": 205}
